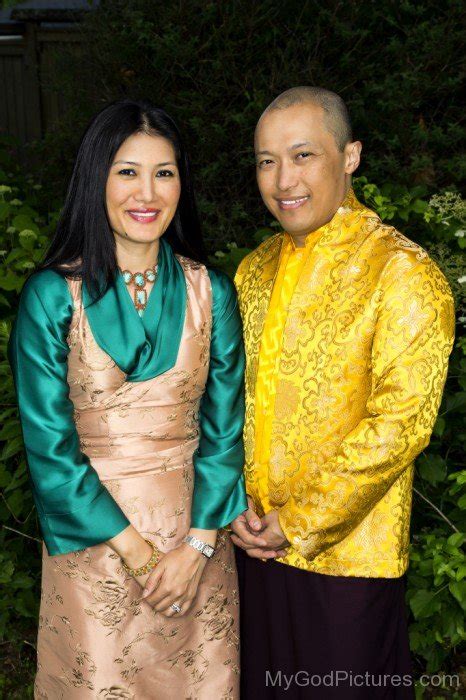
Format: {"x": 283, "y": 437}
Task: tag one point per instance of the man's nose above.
{"x": 287, "y": 178}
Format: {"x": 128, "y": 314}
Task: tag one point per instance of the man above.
{"x": 348, "y": 327}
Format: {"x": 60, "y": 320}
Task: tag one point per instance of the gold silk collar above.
{"x": 342, "y": 219}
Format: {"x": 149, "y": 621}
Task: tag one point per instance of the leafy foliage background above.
{"x": 214, "y": 66}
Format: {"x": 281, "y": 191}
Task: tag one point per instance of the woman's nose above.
{"x": 147, "y": 190}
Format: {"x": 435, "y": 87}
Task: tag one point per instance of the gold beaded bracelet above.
{"x": 151, "y": 564}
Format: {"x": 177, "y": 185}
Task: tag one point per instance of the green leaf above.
{"x": 16, "y": 502}
{"x": 22, "y": 222}
{"x": 27, "y": 239}
{"x": 6, "y": 571}
{"x": 4, "y": 210}
{"x": 456, "y": 401}
{"x": 423, "y": 604}
{"x": 12, "y": 447}
{"x": 9, "y": 282}
{"x": 419, "y": 206}
{"x": 11, "y": 429}
{"x": 439, "y": 427}
{"x": 457, "y": 539}
{"x": 432, "y": 468}
{"x": 458, "y": 590}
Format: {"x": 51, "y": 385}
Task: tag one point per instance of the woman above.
{"x": 128, "y": 362}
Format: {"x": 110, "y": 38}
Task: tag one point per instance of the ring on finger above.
{"x": 176, "y": 608}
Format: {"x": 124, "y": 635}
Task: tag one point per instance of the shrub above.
{"x": 216, "y": 65}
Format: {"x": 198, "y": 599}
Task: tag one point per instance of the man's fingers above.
{"x": 261, "y": 553}
{"x": 247, "y": 541}
{"x": 253, "y": 519}
{"x": 242, "y": 531}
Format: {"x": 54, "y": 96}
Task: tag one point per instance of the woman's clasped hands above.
{"x": 174, "y": 581}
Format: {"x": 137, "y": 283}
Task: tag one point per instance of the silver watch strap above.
{"x": 206, "y": 549}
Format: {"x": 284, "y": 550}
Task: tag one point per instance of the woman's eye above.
{"x": 265, "y": 162}
{"x": 165, "y": 173}
{"x": 126, "y": 171}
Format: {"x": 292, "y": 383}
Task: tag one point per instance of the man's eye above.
{"x": 304, "y": 154}
{"x": 126, "y": 171}
{"x": 165, "y": 173}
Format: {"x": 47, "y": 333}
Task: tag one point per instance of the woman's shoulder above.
{"x": 224, "y": 297}
{"x": 46, "y": 288}
{"x": 222, "y": 285}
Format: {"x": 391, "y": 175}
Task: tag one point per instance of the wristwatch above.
{"x": 201, "y": 546}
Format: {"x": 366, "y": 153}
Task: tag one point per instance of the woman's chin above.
{"x": 138, "y": 237}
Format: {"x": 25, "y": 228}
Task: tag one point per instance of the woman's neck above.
{"x": 136, "y": 257}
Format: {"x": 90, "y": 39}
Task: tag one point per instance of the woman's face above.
{"x": 143, "y": 188}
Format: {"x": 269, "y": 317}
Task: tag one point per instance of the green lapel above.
{"x": 142, "y": 347}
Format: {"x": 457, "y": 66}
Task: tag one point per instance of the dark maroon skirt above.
{"x": 308, "y": 635}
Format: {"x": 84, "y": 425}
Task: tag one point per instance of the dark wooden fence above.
{"x": 29, "y": 106}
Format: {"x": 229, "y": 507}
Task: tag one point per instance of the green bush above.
{"x": 216, "y": 65}
{"x": 437, "y": 575}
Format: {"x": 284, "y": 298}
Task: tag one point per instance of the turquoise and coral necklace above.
{"x": 140, "y": 280}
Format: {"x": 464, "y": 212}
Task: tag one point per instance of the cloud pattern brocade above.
{"x": 359, "y": 374}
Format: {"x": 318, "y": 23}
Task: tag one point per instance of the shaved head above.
{"x": 336, "y": 117}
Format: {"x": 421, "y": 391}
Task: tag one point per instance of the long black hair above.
{"x": 84, "y": 245}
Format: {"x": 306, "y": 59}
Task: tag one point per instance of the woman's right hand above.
{"x": 133, "y": 549}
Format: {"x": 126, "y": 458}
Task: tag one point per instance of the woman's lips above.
{"x": 292, "y": 203}
{"x": 144, "y": 217}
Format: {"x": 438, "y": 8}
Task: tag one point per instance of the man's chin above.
{"x": 297, "y": 230}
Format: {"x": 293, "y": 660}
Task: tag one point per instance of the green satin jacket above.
{"x": 75, "y": 509}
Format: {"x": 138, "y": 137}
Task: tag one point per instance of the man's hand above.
{"x": 273, "y": 534}
{"x": 248, "y": 533}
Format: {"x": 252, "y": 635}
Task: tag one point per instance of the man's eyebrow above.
{"x": 290, "y": 148}
{"x": 299, "y": 145}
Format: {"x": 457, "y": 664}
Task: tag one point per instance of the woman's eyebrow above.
{"x": 131, "y": 162}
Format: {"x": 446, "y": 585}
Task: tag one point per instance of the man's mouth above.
{"x": 292, "y": 202}
{"x": 144, "y": 216}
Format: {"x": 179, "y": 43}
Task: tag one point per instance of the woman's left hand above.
{"x": 175, "y": 580}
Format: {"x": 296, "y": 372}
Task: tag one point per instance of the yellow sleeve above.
{"x": 412, "y": 342}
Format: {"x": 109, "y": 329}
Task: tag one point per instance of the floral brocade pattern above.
{"x": 358, "y": 370}
{"x": 97, "y": 638}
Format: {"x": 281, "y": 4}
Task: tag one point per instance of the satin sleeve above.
{"x": 75, "y": 509}
{"x": 219, "y": 494}
{"x": 412, "y": 342}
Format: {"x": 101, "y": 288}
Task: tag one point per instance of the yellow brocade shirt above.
{"x": 290, "y": 266}
{"x": 347, "y": 343}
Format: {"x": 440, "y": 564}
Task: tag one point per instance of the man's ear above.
{"x": 352, "y": 156}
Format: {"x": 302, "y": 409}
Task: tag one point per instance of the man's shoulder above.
{"x": 404, "y": 259}
{"x": 267, "y": 249}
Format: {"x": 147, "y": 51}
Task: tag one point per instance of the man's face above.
{"x": 302, "y": 175}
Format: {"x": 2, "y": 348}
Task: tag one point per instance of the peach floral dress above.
{"x": 97, "y": 638}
